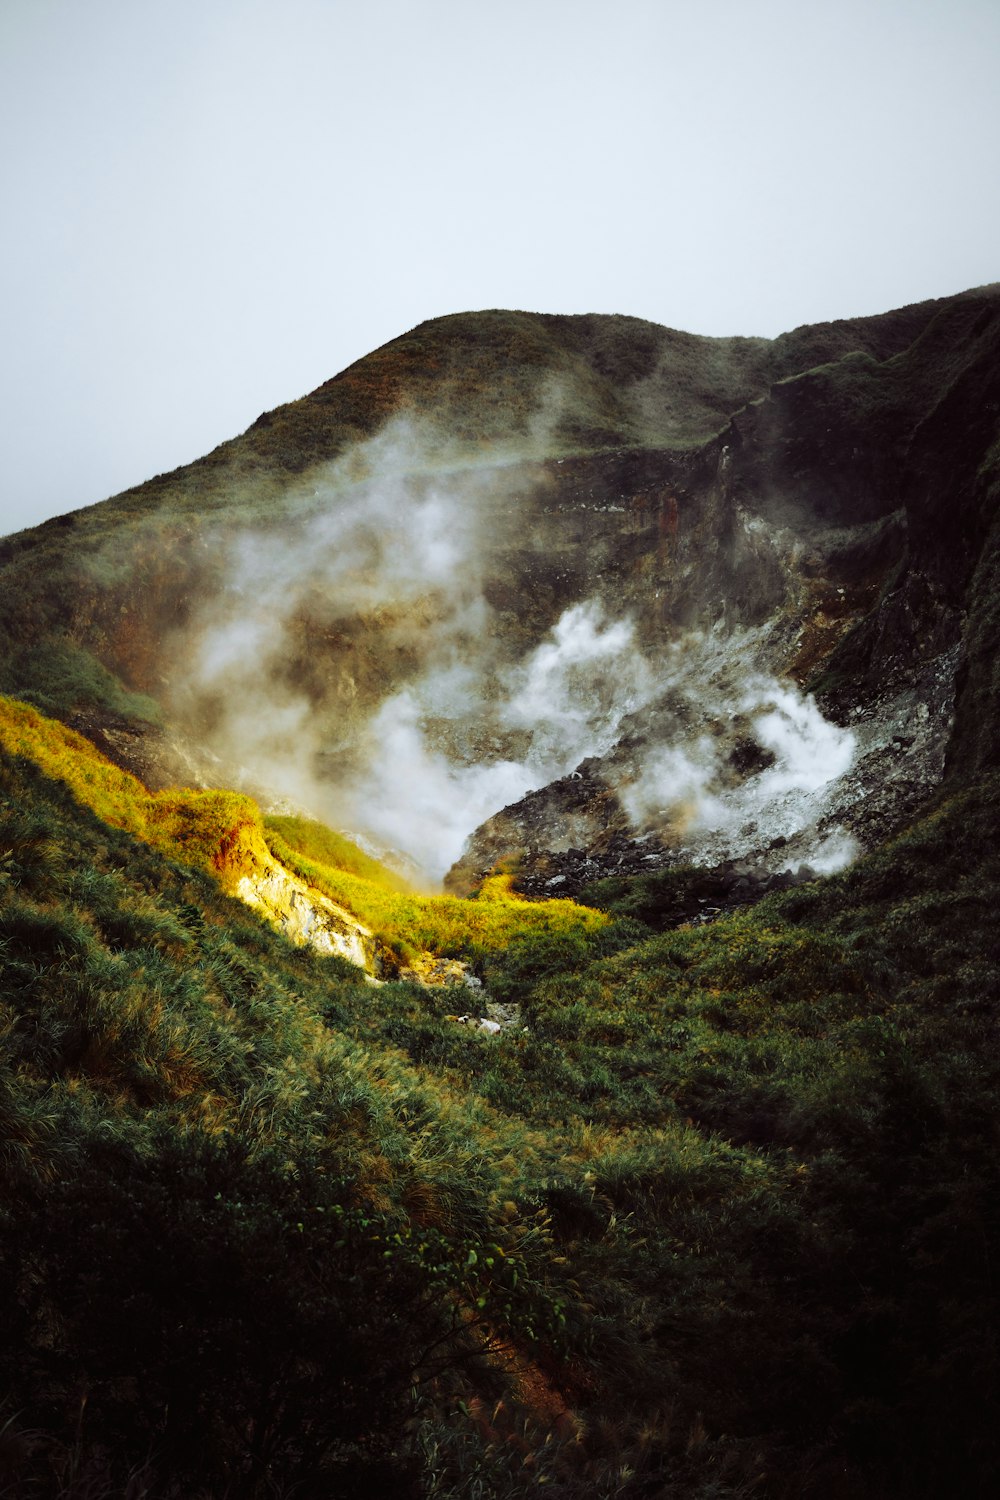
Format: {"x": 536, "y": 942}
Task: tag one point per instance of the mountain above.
{"x": 502, "y": 506}
{"x": 684, "y": 1186}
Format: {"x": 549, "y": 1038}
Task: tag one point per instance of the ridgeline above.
{"x": 710, "y": 1207}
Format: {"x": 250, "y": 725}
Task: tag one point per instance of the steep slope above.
{"x": 719, "y": 1218}
{"x": 215, "y": 831}
{"x": 852, "y": 507}
{"x": 717, "y": 1214}
{"x": 309, "y": 883}
{"x": 376, "y": 573}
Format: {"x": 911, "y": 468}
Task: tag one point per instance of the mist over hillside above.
{"x": 507, "y": 544}
{"x": 497, "y": 908}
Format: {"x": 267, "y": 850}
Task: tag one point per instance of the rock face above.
{"x": 756, "y": 782}
{"x": 581, "y": 592}
{"x": 309, "y": 918}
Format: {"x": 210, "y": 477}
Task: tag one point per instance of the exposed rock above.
{"x": 478, "y": 1023}
{"x": 307, "y": 917}
{"x": 577, "y": 811}
{"x": 437, "y": 973}
{"x": 576, "y": 830}
{"x": 157, "y": 758}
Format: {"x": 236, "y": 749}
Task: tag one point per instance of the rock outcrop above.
{"x": 309, "y": 918}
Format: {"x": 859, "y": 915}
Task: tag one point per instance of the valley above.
{"x": 635, "y": 694}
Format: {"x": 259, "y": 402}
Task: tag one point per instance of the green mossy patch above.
{"x": 729, "y": 1190}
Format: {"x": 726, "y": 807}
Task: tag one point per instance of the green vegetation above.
{"x": 713, "y": 1218}
{"x": 322, "y": 846}
{"x": 408, "y": 923}
{"x": 65, "y": 678}
{"x": 715, "y": 1215}
{"x": 217, "y": 831}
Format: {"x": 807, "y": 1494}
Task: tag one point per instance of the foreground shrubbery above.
{"x": 717, "y": 1221}
{"x": 216, "y": 1204}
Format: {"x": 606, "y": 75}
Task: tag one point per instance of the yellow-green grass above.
{"x": 334, "y": 850}
{"x": 217, "y": 831}
{"x": 408, "y": 922}
{"x": 223, "y": 832}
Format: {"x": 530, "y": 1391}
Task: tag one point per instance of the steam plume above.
{"x": 352, "y": 665}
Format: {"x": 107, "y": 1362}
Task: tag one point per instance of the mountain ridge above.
{"x": 764, "y": 518}
{"x": 709, "y": 1204}
{"x": 870, "y": 333}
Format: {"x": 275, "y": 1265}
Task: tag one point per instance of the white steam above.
{"x": 564, "y": 702}
{"x": 674, "y": 787}
{"x": 810, "y": 751}
{"x": 687, "y": 788}
{"x": 415, "y": 741}
{"x": 574, "y": 690}
{"x": 411, "y": 797}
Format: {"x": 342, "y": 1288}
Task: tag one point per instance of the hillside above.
{"x": 320, "y": 1182}
{"x": 386, "y": 567}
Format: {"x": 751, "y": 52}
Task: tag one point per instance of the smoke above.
{"x": 371, "y": 533}
{"x": 809, "y": 751}
{"x": 673, "y": 792}
{"x": 691, "y": 789}
{"x": 563, "y": 702}
{"x": 833, "y": 852}
{"x": 574, "y": 690}
{"x": 352, "y": 665}
{"x": 330, "y": 645}
{"x": 413, "y": 798}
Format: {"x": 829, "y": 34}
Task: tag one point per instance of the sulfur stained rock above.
{"x": 307, "y": 917}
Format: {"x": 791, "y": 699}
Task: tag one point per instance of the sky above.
{"x": 213, "y": 206}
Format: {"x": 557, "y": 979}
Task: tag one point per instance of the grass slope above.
{"x": 719, "y": 1221}
{"x": 218, "y": 831}
{"x": 409, "y": 923}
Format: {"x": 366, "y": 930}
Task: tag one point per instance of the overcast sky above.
{"x": 212, "y": 206}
